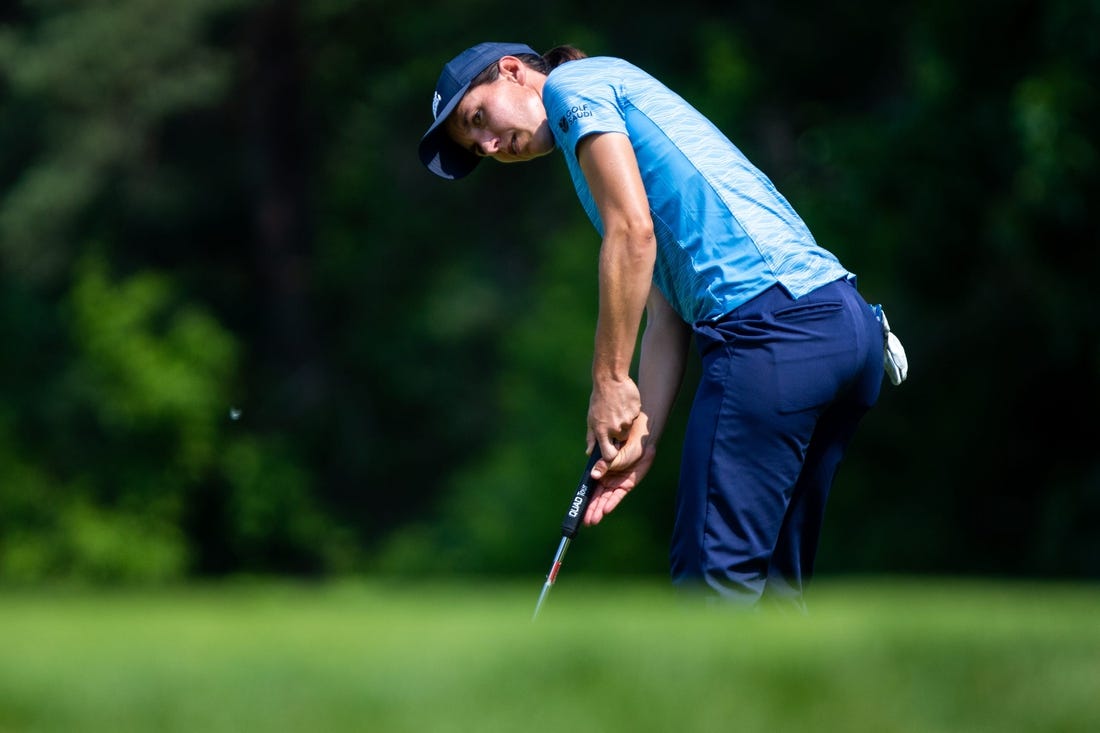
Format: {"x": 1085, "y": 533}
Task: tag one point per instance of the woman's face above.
{"x": 504, "y": 119}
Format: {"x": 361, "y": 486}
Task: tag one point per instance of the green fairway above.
{"x": 871, "y": 656}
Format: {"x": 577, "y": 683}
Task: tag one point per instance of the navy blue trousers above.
{"x": 784, "y": 384}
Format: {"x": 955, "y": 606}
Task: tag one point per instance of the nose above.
{"x": 487, "y": 143}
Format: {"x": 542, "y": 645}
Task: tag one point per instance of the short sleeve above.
{"x": 578, "y": 105}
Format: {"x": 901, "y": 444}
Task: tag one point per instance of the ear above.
{"x": 512, "y": 69}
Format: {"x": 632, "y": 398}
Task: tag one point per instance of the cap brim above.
{"x": 442, "y": 155}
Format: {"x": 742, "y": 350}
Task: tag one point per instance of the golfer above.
{"x": 700, "y": 241}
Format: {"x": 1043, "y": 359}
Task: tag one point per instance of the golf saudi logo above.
{"x": 435, "y": 104}
{"x": 574, "y": 114}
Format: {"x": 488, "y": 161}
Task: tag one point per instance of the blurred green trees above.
{"x": 244, "y": 331}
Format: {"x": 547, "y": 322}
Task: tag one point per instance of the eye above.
{"x": 476, "y": 119}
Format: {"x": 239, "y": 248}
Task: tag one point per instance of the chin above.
{"x": 537, "y": 151}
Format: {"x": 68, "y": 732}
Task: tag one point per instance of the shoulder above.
{"x": 597, "y": 79}
{"x": 584, "y": 97}
{"x": 593, "y": 69}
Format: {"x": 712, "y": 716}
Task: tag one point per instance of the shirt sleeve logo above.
{"x": 574, "y": 114}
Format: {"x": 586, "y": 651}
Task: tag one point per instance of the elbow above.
{"x": 636, "y": 235}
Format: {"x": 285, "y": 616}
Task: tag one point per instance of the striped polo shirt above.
{"x": 724, "y": 233}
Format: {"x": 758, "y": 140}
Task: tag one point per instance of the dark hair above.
{"x": 544, "y": 64}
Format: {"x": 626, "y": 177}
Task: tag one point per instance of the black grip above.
{"x": 581, "y": 497}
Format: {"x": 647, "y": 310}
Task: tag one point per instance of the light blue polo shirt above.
{"x": 724, "y": 233}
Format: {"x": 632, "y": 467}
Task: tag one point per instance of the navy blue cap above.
{"x": 442, "y": 155}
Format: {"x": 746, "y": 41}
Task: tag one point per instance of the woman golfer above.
{"x": 698, "y": 239}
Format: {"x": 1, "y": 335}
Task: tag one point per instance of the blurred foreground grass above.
{"x": 872, "y": 656}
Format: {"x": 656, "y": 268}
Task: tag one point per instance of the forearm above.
{"x": 627, "y": 254}
{"x": 625, "y": 274}
{"x": 661, "y": 366}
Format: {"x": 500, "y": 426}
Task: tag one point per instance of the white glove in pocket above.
{"x": 894, "y": 360}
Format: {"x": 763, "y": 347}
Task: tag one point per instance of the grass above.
{"x": 877, "y": 656}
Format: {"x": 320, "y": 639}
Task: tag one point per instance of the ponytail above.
{"x": 558, "y": 55}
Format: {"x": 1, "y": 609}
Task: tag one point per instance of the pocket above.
{"x": 822, "y": 309}
{"x": 815, "y": 357}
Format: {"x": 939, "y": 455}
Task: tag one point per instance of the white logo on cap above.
{"x": 435, "y": 105}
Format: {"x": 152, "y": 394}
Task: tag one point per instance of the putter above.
{"x": 570, "y": 525}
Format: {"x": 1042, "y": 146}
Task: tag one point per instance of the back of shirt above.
{"x": 724, "y": 233}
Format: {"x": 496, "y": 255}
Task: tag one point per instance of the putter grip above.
{"x": 581, "y": 497}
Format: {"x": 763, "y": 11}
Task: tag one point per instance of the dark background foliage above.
{"x": 245, "y": 332}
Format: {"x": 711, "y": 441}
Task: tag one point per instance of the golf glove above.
{"x": 894, "y": 360}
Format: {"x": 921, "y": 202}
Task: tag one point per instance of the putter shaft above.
{"x": 571, "y": 524}
{"x": 552, "y": 575}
